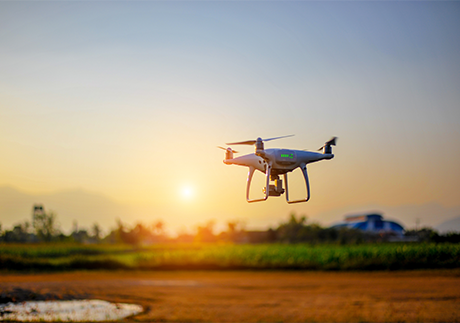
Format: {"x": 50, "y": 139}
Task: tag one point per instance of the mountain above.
{"x": 72, "y": 205}
{"x": 88, "y": 207}
{"x": 452, "y": 225}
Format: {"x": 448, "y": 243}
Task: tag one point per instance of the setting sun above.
{"x": 187, "y": 192}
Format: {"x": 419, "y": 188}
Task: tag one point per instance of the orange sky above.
{"x": 131, "y": 100}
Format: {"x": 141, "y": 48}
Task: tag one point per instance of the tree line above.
{"x": 296, "y": 229}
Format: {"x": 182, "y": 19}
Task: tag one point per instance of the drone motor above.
{"x": 228, "y": 152}
{"x": 328, "y": 145}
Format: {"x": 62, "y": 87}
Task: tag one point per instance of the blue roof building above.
{"x": 373, "y": 223}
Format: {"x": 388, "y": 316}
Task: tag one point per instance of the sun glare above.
{"x": 187, "y": 192}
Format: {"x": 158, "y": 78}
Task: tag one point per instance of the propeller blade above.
{"x": 227, "y": 149}
{"x": 252, "y": 142}
{"x": 331, "y": 142}
{"x": 248, "y": 142}
{"x": 277, "y": 138}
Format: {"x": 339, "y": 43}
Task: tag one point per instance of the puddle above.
{"x": 67, "y": 311}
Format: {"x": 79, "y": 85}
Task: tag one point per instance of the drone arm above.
{"x": 248, "y": 186}
{"x": 303, "y": 167}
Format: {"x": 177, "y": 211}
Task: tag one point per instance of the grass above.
{"x": 230, "y": 256}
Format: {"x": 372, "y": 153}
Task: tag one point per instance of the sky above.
{"x": 130, "y": 99}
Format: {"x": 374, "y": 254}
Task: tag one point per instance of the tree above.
{"x": 292, "y": 231}
{"x": 20, "y": 233}
{"x": 96, "y": 231}
{"x": 158, "y": 227}
{"x": 206, "y": 233}
{"x": 296, "y": 230}
{"x": 45, "y": 225}
{"x": 234, "y": 233}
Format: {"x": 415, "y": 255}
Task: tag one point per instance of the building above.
{"x": 39, "y": 209}
{"x": 372, "y": 223}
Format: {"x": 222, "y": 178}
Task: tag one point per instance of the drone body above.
{"x": 275, "y": 162}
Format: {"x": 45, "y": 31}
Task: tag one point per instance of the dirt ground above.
{"x": 262, "y": 296}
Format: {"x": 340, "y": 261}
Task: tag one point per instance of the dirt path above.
{"x": 263, "y": 296}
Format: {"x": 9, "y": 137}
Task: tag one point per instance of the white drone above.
{"x": 275, "y": 162}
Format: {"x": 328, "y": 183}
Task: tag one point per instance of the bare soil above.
{"x": 258, "y": 296}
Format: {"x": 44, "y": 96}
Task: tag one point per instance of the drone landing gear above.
{"x": 248, "y": 186}
{"x": 303, "y": 167}
{"x": 276, "y": 189}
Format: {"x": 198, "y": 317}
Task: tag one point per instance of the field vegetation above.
{"x": 294, "y": 244}
{"x": 378, "y": 256}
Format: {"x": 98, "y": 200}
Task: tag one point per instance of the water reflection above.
{"x": 67, "y": 311}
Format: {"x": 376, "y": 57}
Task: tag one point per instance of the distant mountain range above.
{"x": 73, "y": 205}
{"x": 452, "y": 225}
{"x": 87, "y": 208}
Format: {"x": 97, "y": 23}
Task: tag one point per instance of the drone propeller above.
{"x": 252, "y": 142}
{"x": 227, "y": 149}
{"x": 329, "y": 143}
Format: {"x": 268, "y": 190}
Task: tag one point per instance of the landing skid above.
{"x": 277, "y": 190}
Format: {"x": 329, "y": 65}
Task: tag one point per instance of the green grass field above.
{"x": 51, "y": 257}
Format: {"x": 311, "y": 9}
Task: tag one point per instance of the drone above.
{"x": 275, "y": 162}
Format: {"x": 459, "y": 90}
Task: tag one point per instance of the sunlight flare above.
{"x": 187, "y": 192}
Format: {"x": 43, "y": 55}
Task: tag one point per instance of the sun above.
{"x": 187, "y": 192}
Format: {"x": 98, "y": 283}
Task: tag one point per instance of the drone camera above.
{"x": 275, "y": 190}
